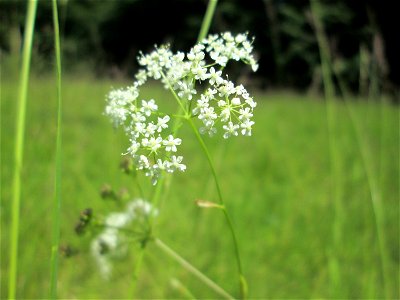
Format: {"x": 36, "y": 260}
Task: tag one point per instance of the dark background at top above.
{"x": 108, "y": 35}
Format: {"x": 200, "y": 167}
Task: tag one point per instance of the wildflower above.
{"x": 112, "y": 242}
{"x": 220, "y": 104}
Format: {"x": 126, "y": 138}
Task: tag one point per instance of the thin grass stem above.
{"x": 373, "y": 185}
{"x": 186, "y": 265}
{"x": 19, "y": 147}
{"x": 334, "y": 264}
{"x": 57, "y": 192}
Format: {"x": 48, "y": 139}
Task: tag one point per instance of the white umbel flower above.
{"x": 197, "y": 79}
{"x": 111, "y": 243}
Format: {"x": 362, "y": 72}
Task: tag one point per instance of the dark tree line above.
{"x": 108, "y": 34}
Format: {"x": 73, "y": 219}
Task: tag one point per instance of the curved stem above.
{"x": 242, "y": 281}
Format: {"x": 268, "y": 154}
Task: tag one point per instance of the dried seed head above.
{"x": 107, "y": 192}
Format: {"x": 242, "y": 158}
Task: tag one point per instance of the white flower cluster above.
{"x": 150, "y": 146}
{"x": 222, "y": 101}
{"x": 111, "y": 242}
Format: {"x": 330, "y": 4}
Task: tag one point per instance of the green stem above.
{"x": 155, "y": 199}
{"x": 19, "y": 147}
{"x": 242, "y": 281}
{"x": 137, "y": 269}
{"x": 175, "y": 283}
{"x": 205, "y": 26}
{"x": 185, "y": 264}
{"x": 57, "y": 198}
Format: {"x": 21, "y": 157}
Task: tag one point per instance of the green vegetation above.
{"x": 276, "y": 186}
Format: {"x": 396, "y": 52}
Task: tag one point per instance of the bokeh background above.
{"x": 310, "y": 224}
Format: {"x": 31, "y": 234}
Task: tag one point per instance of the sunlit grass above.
{"x": 19, "y": 149}
{"x": 276, "y": 186}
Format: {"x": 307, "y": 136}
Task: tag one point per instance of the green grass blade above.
{"x": 57, "y": 198}
{"x": 19, "y": 146}
{"x": 329, "y": 91}
{"x": 373, "y": 183}
{"x": 205, "y": 26}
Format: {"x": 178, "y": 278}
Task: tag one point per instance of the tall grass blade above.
{"x": 323, "y": 45}
{"x": 19, "y": 147}
{"x": 57, "y": 192}
{"x": 373, "y": 183}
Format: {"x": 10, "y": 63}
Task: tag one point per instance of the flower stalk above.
{"x": 189, "y": 267}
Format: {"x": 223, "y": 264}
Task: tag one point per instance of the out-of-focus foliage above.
{"x": 108, "y": 35}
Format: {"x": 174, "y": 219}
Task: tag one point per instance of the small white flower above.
{"x": 140, "y": 128}
{"x": 138, "y": 117}
{"x": 141, "y": 77}
{"x": 215, "y": 77}
{"x": 225, "y": 114}
{"x": 230, "y": 129}
{"x": 153, "y": 143}
{"x": 246, "y": 127}
{"x": 171, "y": 143}
{"x": 201, "y": 104}
{"x": 142, "y": 162}
{"x": 245, "y": 114}
{"x": 236, "y": 101}
{"x": 227, "y": 88}
{"x": 186, "y": 90}
{"x": 134, "y": 147}
{"x": 207, "y": 115}
{"x": 176, "y": 163}
{"x": 200, "y": 73}
{"x": 148, "y": 107}
{"x": 210, "y": 92}
{"x": 162, "y": 123}
{"x": 151, "y": 129}
{"x": 251, "y": 102}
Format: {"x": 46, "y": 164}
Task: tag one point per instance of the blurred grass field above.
{"x": 277, "y": 185}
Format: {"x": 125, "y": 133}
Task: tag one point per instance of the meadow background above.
{"x": 280, "y": 185}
